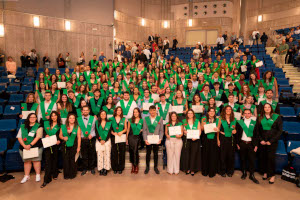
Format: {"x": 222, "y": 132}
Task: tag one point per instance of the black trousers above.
{"x": 69, "y": 164}
{"x": 134, "y": 141}
{"x": 51, "y": 169}
{"x": 210, "y": 156}
{"x": 267, "y": 158}
{"x": 247, "y": 154}
{"x": 117, "y": 155}
{"x": 148, "y": 154}
{"x": 227, "y": 155}
{"x": 190, "y": 155}
{"x": 88, "y": 153}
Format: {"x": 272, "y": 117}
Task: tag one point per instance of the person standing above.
{"x": 153, "y": 125}
{"x": 60, "y": 61}
{"x": 24, "y": 60}
{"x": 282, "y": 49}
{"x": 166, "y": 44}
{"x": 220, "y": 42}
{"x": 127, "y": 105}
{"x": 68, "y": 60}
{"x": 46, "y": 61}
{"x": 264, "y": 39}
{"x": 46, "y": 107}
{"x": 175, "y": 42}
{"x": 88, "y": 153}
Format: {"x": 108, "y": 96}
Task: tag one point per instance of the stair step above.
{"x": 142, "y": 160}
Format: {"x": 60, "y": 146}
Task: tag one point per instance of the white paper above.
{"x": 77, "y": 156}
{"x": 120, "y": 139}
{"x": 31, "y": 153}
{"x": 243, "y": 68}
{"x": 49, "y": 141}
{"x": 26, "y": 113}
{"x": 174, "y": 130}
{"x": 178, "y": 109}
{"x": 197, "y": 108}
{"x": 236, "y": 99}
{"x": 192, "y": 134}
{"x": 146, "y": 106}
{"x": 31, "y": 134}
{"x": 219, "y": 103}
{"x": 260, "y": 99}
{"x": 237, "y": 115}
{"x": 200, "y": 73}
{"x": 226, "y": 85}
{"x": 61, "y": 84}
{"x": 155, "y": 97}
{"x": 109, "y": 116}
{"x": 209, "y": 128}
{"x": 12, "y": 108}
{"x": 259, "y": 64}
{"x": 153, "y": 139}
{"x": 183, "y": 93}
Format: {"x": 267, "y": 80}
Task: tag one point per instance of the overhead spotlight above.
{"x": 224, "y": 11}
{"x": 215, "y": 12}
{"x": 195, "y": 7}
{"x": 143, "y": 22}
{"x": 195, "y": 13}
{"x": 190, "y": 22}
{"x": 67, "y": 25}
{"x": 215, "y": 5}
{"x": 205, "y": 13}
{"x": 224, "y": 5}
{"x": 259, "y": 18}
{"x": 205, "y": 6}
{"x": 36, "y": 21}
{"x": 1, "y": 30}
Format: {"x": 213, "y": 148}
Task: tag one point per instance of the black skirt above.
{"x": 210, "y": 156}
{"x": 190, "y": 155}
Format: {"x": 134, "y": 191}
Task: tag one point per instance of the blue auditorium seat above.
{"x": 4, "y": 80}
{"x": 287, "y": 111}
{"x": 1, "y": 111}
{"x": 26, "y": 89}
{"x": 15, "y": 99}
{"x": 28, "y": 81}
{"x": 296, "y": 162}
{"x": 3, "y": 147}
{"x": 281, "y": 159}
{"x": 286, "y": 89}
{"x": 2, "y": 89}
{"x": 12, "y": 89}
{"x": 13, "y": 159}
{"x": 293, "y": 130}
{"x": 12, "y": 112}
{"x": 8, "y": 128}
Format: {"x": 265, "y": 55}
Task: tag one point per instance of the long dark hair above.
{"x": 112, "y": 102}
{"x": 207, "y": 115}
{"x": 99, "y": 117}
{"x": 58, "y": 118}
{"x": 27, "y": 123}
{"x": 262, "y": 112}
{"x": 75, "y": 123}
{"x": 265, "y": 76}
{"x": 194, "y": 116}
{"x": 170, "y": 117}
{"x": 194, "y": 102}
{"x": 68, "y": 104}
{"x": 115, "y": 111}
{"x": 223, "y": 113}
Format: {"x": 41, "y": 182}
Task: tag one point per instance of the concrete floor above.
{"x": 151, "y": 186}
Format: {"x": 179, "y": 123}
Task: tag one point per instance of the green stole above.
{"x": 228, "y": 130}
{"x": 254, "y": 88}
{"x": 270, "y": 86}
{"x": 40, "y": 96}
{"x": 162, "y": 85}
{"x": 172, "y": 87}
{"x": 55, "y": 96}
{"x": 63, "y": 113}
{"x": 103, "y": 132}
{"x": 149, "y": 101}
{"x": 78, "y": 111}
{"x": 211, "y": 135}
{"x": 86, "y": 76}
{"x": 25, "y": 135}
{"x": 48, "y": 129}
{"x": 86, "y": 130}
{"x": 78, "y": 98}
{"x": 33, "y": 108}
{"x": 190, "y": 96}
{"x": 48, "y": 112}
{"x": 182, "y": 104}
{"x": 233, "y": 92}
{"x": 200, "y": 86}
{"x": 136, "y": 128}
{"x": 203, "y": 98}
{"x": 104, "y": 94}
{"x": 170, "y": 99}
{"x": 170, "y": 125}
{"x": 71, "y": 137}
{"x": 257, "y": 97}
{"x": 268, "y": 123}
{"x": 235, "y": 107}
{"x": 217, "y": 98}
{"x": 125, "y": 83}
{"x": 125, "y": 109}
{"x": 94, "y": 63}
{"x": 274, "y": 104}
{"x": 247, "y": 130}
{"x": 108, "y": 111}
{"x": 96, "y": 107}
{"x": 164, "y": 113}
{"x": 117, "y": 128}
{"x": 151, "y": 127}
{"x": 242, "y": 107}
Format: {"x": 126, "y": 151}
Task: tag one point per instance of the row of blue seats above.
{"x": 16, "y": 89}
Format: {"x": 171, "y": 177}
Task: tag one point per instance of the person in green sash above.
{"x": 29, "y": 105}
{"x": 244, "y": 92}
{"x": 55, "y": 93}
{"x": 253, "y": 84}
{"x": 119, "y": 125}
{"x": 135, "y": 127}
{"x": 96, "y": 102}
{"x": 269, "y": 100}
{"x": 180, "y": 101}
{"x": 173, "y": 144}
{"x": 169, "y": 94}
{"x": 70, "y": 146}
{"x": 103, "y": 143}
{"x": 231, "y": 91}
{"x": 46, "y": 107}
{"x": 260, "y": 95}
{"x": 162, "y": 83}
{"x": 64, "y": 107}
{"x": 226, "y": 141}
{"x": 205, "y": 94}
{"x": 212, "y": 104}
{"x": 93, "y": 64}
{"x": 210, "y": 154}
{"x": 127, "y": 105}
{"x": 51, "y": 128}
{"x": 247, "y": 143}
{"x": 248, "y": 105}
{"x": 29, "y": 136}
{"x": 217, "y": 93}
{"x": 39, "y": 94}
{"x": 145, "y": 100}
{"x": 270, "y": 83}
{"x": 190, "y": 92}
{"x": 269, "y": 126}
{"x": 195, "y": 104}
{"x": 109, "y": 107}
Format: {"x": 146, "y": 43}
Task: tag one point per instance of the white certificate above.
{"x": 243, "y": 68}
{"x": 259, "y": 64}
{"x": 26, "y": 113}
{"x": 192, "y": 134}
{"x": 197, "y": 108}
{"x": 178, "y": 109}
{"x": 226, "y": 85}
{"x": 260, "y": 100}
{"x": 61, "y": 84}
{"x": 31, "y": 153}
{"x": 200, "y": 73}
{"x": 174, "y": 130}
{"x": 236, "y": 99}
{"x": 209, "y": 128}
{"x": 109, "y": 116}
{"x": 146, "y": 106}
{"x": 219, "y": 103}
{"x": 120, "y": 139}
{"x": 155, "y": 97}
{"x": 237, "y": 115}
{"x": 49, "y": 141}
{"x": 153, "y": 139}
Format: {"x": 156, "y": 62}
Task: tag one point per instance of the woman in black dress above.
{"x": 135, "y": 127}
{"x": 51, "y": 128}
{"x": 269, "y": 130}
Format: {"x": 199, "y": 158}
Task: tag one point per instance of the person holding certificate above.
{"x": 180, "y": 104}
{"x": 226, "y": 141}
{"x": 205, "y": 94}
{"x": 51, "y": 128}
{"x": 197, "y": 106}
{"x": 46, "y": 107}
{"x": 70, "y": 134}
{"x": 29, "y": 136}
{"x": 153, "y": 132}
{"x": 64, "y": 107}
{"x": 173, "y": 132}
{"x": 88, "y": 153}
{"x": 269, "y": 126}
{"x": 210, "y": 153}
{"x": 135, "y": 127}
{"x": 190, "y": 161}
{"x": 145, "y": 103}
{"x": 30, "y": 105}
{"x": 119, "y": 125}
{"x": 103, "y": 143}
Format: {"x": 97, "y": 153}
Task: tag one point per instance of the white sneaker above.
{"x": 25, "y": 179}
{"x": 38, "y": 178}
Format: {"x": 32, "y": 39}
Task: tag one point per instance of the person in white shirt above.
{"x": 220, "y": 41}
{"x": 46, "y": 110}
{"x": 119, "y": 56}
{"x": 161, "y": 108}
{"x": 147, "y": 52}
{"x": 127, "y": 105}
{"x": 166, "y": 44}
{"x": 255, "y": 36}
{"x": 297, "y": 31}
{"x": 196, "y": 52}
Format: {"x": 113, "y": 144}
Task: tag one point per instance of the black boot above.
{"x": 244, "y": 176}
{"x": 146, "y": 170}
{"x": 252, "y": 178}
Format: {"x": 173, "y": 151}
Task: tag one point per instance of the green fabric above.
{"x": 274, "y": 104}
{"x": 71, "y": 137}
{"x": 211, "y": 135}
{"x": 96, "y": 107}
{"x": 48, "y": 112}
{"x": 103, "y": 132}
{"x": 164, "y": 113}
{"x": 136, "y": 128}
{"x": 86, "y": 130}
{"x": 33, "y": 107}
{"x": 228, "y": 130}
{"x": 268, "y": 123}
{"x": 247, "y": 130}
{"x": 125, "y": 109}
{"x": 118, "y": 128}
{"x": 25, "y": 135}
{"x": 50, "y": 131}
{"x": 151, "y": 127}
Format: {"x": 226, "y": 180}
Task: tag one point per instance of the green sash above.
{"x": 48, "y": 129}
{"x": 48, "y": 112}
{"x": 40, "y": 96}
{"x": 109, "y": 111}
{"x": 217, "y": 97}
{"x": 149, "y": 101}
{"x": 78, "y": 98}
{"x": 211, "y": 135}
{"x": 94, "y": 64}
{"x": 268, "y": 123}
{"x": 228, "y": 130}
{"x": 170, "y": 125}
{"x": 247, "y": 130}
{"x": 25, "y": 135}
{"x": 136, "y": 128}
{"x": 96, "y": 107}
{"x": 64, "y": 113}
{"x": 270, "y": 86}
{"x": 252, "y": 109}
{"x": 125, "y": 109}
{"x": 274, "y": 104}
{"x": 86, "y": 130}
{"x": 151, "y": 127}
{"x": 33, "y": 108}
{"x": 187, "y": 126}
{"x": 162, "y": 85}
{"x": 78, "y": 111}
{"x": 55, "y": 96}
{"x": 190, "y": 96}
{"x": 71, "y": 137}
{"x": 117, "y": 128}
{"x": 203, "y": 98}
{"x": 103, "y": 132}
{"x": 235, "y": 107}
{"x": 164, "y": 113}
